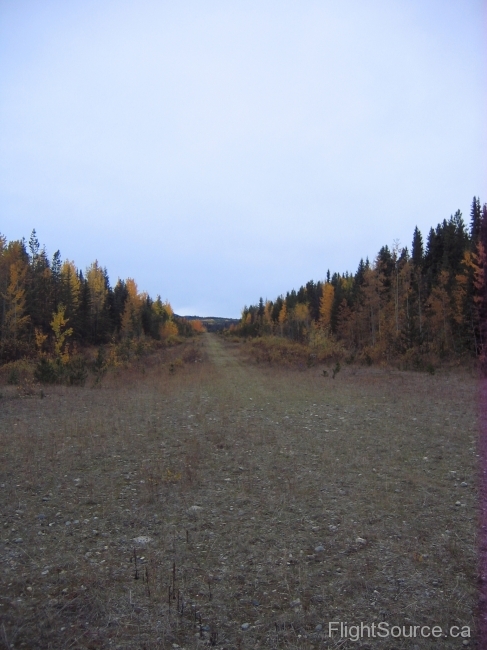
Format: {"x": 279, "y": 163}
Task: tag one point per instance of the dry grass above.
{"x": 275, "y": 350}
{"x": 239, "y": 475}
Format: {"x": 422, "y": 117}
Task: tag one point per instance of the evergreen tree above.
{"x": 313, "y": 294}
{"x": 276, "y": 309}
{"x": 301, "y": 296}
{"x": 481, "y": 287}
{"x": 56, "y": 279}
{"x": 39, "y": 294}
{"x": 291, "y": 300}
{"x": 475, "y": 222}
{"x": 418, "y": 260}
{"x": 417, "y": 254}
{"x": 117, "y": 306}
{"x": 359, "y": 275}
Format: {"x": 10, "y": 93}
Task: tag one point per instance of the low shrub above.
{"x": 47, "y": 371}
{"x": 277, "y": 350}
{"x": 53, "y": 371}
{"x": 76, "y": 371}
{"x": 13, "y": 377}
{"x": 192, "y": 355}
{"x": 274, "y": 350}
{"x": 15, "y": 373}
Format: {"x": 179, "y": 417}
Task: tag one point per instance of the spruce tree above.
{"x": 56, "y": 279}
{"x": 417, "y": 254}
{"x": 475, "y": 222}
{"x": 482, "y": 290}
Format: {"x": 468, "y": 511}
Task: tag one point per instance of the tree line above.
{"x": 430, "y": 302}
{"x": 49, "y": 306}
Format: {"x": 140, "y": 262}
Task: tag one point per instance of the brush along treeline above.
{"x": 418, "y": 307}
{"x": 50, "y": 311}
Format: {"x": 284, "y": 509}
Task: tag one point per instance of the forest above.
{"x": 420, "y": 306}
{"x": 51, "y": 310}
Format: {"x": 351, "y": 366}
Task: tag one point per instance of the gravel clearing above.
{"x": 233, "y": 505}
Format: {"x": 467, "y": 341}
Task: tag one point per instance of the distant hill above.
{"x": 214, "y": 323}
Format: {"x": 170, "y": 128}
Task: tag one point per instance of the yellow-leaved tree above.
{"x": 61, "y": 334}
{"x": 299, "y": 321}
{"x": 268, "y": 315}
{"x": 132, "y": 313}
{"x": 198, "y": 326}
{"x": 300, "y": 314}
{"x": 169, "y": 329}
{"x": 41, "y": 340}
{"x": 282, "y": 316}
{"x": 71, "y": 286}
{"x": 14, "y": 318}
{"x": 326, "y": 304}
{"x": 98, "y": 292}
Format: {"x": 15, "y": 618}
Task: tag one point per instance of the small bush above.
{"x": 13, "y": 377}
{"x": 26, "y": 388}
{"x": 274, "y": 350}
{"x": 311, "y": 360}
{"x": 53, "y": 371}
{"x": 174, "y": 365}
{"x": 76, "y": 371}
{"x": 100, "y": 362}
{"x": 47, "y": 371}
{"x": 15, "y": 372}
{"x": 192, "y": 355}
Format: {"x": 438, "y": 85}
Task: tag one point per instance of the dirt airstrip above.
{"x": 219, "y": 503}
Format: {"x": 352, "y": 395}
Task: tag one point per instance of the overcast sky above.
{"x": 222, "y": 151}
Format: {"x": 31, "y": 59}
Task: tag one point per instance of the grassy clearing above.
{"x": 274, "y": 499}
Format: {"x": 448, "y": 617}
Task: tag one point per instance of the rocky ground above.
{"x": 217, "y": 503}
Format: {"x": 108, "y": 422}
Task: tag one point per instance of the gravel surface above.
{"x": 231, "y": 505}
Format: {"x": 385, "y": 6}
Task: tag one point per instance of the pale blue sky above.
{"x": 222, "y": 151}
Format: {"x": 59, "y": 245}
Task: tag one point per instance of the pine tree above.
{"x": 39, "y": 294}
{"x": 359, "y": 275}
{"x": 313, "y": 295}
{"x": 475, "y": 222}
{"x": 417, "y": 258}
{"x": 481, "y": 289}
{"x": 56, "y": 279}
{"x": 276, "y": 309}
{"x": 417, "y": 251}
{"x": 120, "y": 295}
